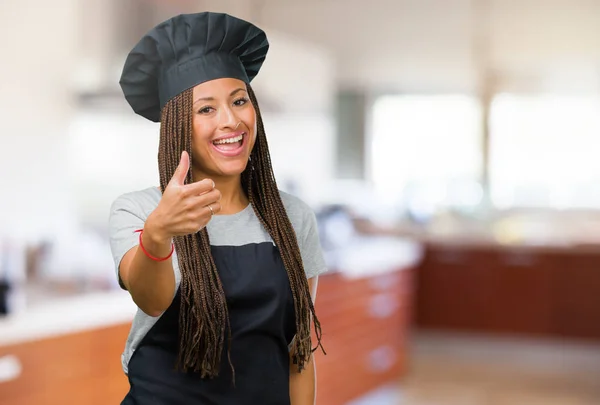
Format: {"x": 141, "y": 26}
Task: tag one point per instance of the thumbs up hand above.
{"x": 184, "y": 208}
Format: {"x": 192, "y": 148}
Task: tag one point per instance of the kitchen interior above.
{"x": 447, "y": 147}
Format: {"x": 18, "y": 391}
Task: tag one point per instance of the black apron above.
{"x": 261, "y": 311}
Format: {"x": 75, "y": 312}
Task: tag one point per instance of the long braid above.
{"x": 203, "y": 316}
{"x": 264, "y": 196}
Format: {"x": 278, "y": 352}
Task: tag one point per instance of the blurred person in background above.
{"x": 222, "y": 265}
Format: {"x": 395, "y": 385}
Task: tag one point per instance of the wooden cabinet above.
{"x": 522, "y": 290}
{"x": 81, "y": 368}
{"x": 444, "y": 296}
{"x": 364, "y": 325}
{"x": 576, "y": 295}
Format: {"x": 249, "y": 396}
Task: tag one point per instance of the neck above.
{"x": 233, "y": 197}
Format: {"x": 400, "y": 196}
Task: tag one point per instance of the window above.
{"x": 543, "y": 151}
{"x": 426, "y": 151}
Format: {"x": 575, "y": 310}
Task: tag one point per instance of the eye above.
{"x": 205, "y": 110}
{"x": 240, "y": 101}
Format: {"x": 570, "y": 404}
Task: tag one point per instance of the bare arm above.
{"x": 150, "y": 283}
{"x": 303, "y": 385}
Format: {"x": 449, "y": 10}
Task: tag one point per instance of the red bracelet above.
{"x": 156, "y": 259}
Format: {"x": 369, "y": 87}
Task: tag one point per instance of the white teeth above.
{"x": 229, "y": 140}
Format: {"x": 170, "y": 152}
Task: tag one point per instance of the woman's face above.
{"x": 224, "y": 128}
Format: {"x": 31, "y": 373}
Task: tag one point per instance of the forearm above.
{"x": 150, "y": 283}
{"x": 303, "y": 386}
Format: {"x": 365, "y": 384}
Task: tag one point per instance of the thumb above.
{"x": 182, "y": 169}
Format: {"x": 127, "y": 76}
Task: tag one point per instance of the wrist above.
{"x": 155, "y": 234}
{"x": 153, "y": 247}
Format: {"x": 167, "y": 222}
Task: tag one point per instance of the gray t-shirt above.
{"x": 129, "y": 212}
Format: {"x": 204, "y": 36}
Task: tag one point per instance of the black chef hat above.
{"x": 187, "y": 50}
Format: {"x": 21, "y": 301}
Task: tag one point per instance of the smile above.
{"x": 231, "y": 145}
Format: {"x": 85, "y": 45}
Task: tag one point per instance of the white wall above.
{"x": 298, "y": 76}
{"x": 430, "y": 45}
{"x": 302, "y": 150}
{"x": 112, "y": 153}
{"x": 37, "y": 40}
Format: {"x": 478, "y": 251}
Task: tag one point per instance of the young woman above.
{"x": 222, "y": 265}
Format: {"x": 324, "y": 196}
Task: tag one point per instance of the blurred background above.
{"x": 448, "y": 147}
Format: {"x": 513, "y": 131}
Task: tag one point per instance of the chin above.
{"x": 232, "y": 168}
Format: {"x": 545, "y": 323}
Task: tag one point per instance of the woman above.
{"x": 222, "y": 265}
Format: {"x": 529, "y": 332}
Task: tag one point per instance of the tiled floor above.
{"x": 466, "y": 370}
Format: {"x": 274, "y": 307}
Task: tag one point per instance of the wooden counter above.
{"x": 365, "y": 325}
{"x": 66, "y": 351}
{"x": 78, "y": 368}
{"x": 543, "y": 291}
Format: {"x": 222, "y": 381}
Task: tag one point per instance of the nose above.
{"x": 228, "y": 120}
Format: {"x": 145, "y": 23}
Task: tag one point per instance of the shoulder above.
{"x": 128, "y": 212}
{"x": 295, "y": 207}
{"x": 139, "y": 202}
{"x": 147, "y": 197}
{"x": 305, "y": 225}
{"x": 293, "y": 204}
{"x": 301, "y": 215}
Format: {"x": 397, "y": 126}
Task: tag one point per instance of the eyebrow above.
{"x": 212, "y": 98}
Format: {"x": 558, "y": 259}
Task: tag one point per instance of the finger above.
{"x": 199, "y": 187}
{"x": 215, "y": 208}
{"x": 210, "y": 197}
{"x": 182, "y": 169}
{"x": 198, "y": 204}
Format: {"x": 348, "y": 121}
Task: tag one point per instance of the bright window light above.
{"x": 544, "y": 151}
{"x": 426, "y": 150}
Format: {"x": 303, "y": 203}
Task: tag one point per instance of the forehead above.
{"x": 218, "y": 88}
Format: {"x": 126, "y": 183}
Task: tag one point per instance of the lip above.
{"x": 233, "y": 152}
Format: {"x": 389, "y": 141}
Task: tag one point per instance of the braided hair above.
{"x": 203, "y": 316}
